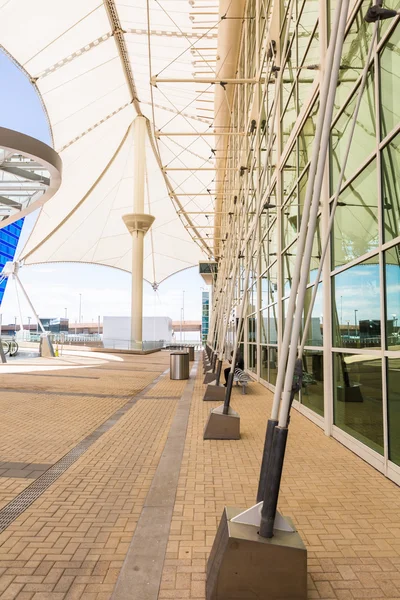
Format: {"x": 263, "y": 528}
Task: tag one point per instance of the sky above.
{"x": 55, "y": 289}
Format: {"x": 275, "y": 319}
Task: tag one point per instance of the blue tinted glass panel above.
{"x": 9, "y": 237}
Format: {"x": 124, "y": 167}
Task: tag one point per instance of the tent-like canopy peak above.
{"x": 96, "y": 66}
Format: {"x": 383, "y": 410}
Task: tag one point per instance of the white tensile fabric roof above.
{"x": 92, "y": 63}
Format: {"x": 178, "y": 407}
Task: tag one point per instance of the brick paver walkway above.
{"x": 71, "y": 542}
{"x": 347, "y": 513}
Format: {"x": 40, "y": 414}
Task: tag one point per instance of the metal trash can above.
{"x": 191, "y": 353}
{"x": 179, "y": 365}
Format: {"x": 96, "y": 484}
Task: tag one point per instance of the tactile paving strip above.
{"x": 20, "y": 503}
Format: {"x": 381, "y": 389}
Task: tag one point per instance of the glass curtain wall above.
{"x": 352, "y": 357}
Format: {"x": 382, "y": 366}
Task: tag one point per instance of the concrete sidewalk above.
{"x": 72, "y": 540}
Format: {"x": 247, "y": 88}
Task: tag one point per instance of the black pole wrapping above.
{"x": 272, "y": 423}
{"x": 273, "y": 481}
{"x": 219, "y": 368}
{"x": 214, "y": 361}
{"x": 228, "y": 393}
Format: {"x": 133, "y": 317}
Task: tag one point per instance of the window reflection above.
{"x": 390, "y": 81}
{"x": 393, "y": 376}
{"x": 269, "y": 325}
{"x": 273, "y": 324}
{"x": 384, "y": 25}
{"x": 306, "y": 137}
{"x": 269, "y": 364}
{"x": 269, "y": 286}
{"x": 316, "y": 253}
{"x": 391, "y": 191}
{"x": 358, "y": 398}
{"x": 305, "y": 79}
{"x": 288, "y": 259}
{"x": 364, "y": 139}
{"x": 290, "y": 114}
{"x": 314, "y": 333}
{"x": 252, "y": 357}
{"x": 355, "y": 51}
{"x": 264, "y": 326}
{"x": 290, "y": 217}
{"x": 289, "y": 175}
{"x": 356, "y": 306}
{"x": 392, "y": 270}
{"x": 356, "y": 218}
{"x": 312, "y": 392}
{"x": 252, "y": 329}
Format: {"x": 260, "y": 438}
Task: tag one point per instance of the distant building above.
{"x": 9, "y": 238}
{"x": 117, "y": 331}
{"x": 205, "y": 315}
{"x": 59, "y": 325}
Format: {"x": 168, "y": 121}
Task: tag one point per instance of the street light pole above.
{"x": 355, "y": 319}
{"x": 66, "y": 313}
{"x": 80, "y": 307}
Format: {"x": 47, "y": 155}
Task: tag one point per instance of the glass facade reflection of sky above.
{"x": 355, "y": 325}
{"x": 392, "y": 270}
{"x": 356, "y": 306}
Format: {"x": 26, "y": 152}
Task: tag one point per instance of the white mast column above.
{"x": 138, "y": 224}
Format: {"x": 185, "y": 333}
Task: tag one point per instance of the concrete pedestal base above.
{"x": 46, "y": 347}
{"x": 209, "y": 377}
{"x": 222, "y": 427}
{"x": 245, "y": 566}
{"x": 215, "y": 393}
{"x": 2, "y": 355}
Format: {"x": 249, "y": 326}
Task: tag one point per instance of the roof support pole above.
{"x": 138, "y": 224}
{"x": 139, "y": 173}
{"x": 139, "y": 170}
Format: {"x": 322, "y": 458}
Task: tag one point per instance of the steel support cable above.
{"x": 235, "y": 264}
{"x": 311, "y": 221}
{"x": 181, "y": 113}
{"x": 253, "y": 230}
{"x": 193, "y": 171}
{"x": 230, "y": 275}
{"x": 82, "y": 200}
{"x": 219, "y": 288}
{"x": 223, "y": 276}
{"x": 271, "y": 138}
{"x": 242, "y": 309}
{"x": 191, "y": 45}
{"x": 204, "y": 120}
{"x": 232, "y": 270}
{"x": 277, "y": 432}
{"x": 325, "y": 85}
{"x": 156, "y": 150}
{"x": 301, "y": 240}
{"x": 115, "y": 187}
{"x": 334, "y": 203}
{"x": 184, "y": 149}
{"x": 62, "y": 34}
{"x": 113, "y": 190}
{"x": 121, "y": 45}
